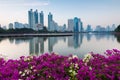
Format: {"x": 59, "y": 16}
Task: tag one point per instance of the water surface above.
{"x": 78, "y": 44}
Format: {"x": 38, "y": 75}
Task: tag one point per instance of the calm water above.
{"x": 79, "y": 44}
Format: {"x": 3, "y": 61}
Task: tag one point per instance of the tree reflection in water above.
{"x": 118, "y": 37}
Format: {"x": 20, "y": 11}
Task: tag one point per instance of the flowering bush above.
{"x": 56, "y": 67}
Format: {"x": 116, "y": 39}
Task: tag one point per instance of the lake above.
{"x": 78, "y": 44}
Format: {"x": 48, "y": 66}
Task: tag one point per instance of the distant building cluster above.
{"x": 53, "y": 26}
{"x": 36, "y": 22}
{"x": 75, "y": 25}
{"x": 108, "y": 28}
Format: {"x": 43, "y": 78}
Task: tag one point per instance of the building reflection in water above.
{"x": 118, "y": 37}
{"x": 54, "y": 40}
{"x": 89, "y": 36}
{"x": 101, "y": 36}
{"x": 18, "y": 40}
{"x": 75, "y": 41}
{"x": 2, "y": 39}
{"x": 51, "y": 42}
{"x": 36, "y": 46}
{"x": 11, "y": 40}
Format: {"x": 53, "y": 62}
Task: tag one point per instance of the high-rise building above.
{"x": 50, "y": 19}
{"x": 42, "y": 18}
{"x": 53, "y": 26}
{"x": 10, "y": 26}
{"x": 88, "y": 28}
{"x": 18, "y": 25}
{"x": 108, "y": 28}
{"x": 70, "y": 24}
{"x": 113, "y": 27}
{"x": 81, "y": 26}
{"x": 36, "y": 16}
{"x": 31, "y": 18}
{"x": 76, "y": 24}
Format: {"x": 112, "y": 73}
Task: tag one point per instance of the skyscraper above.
{"x": 50, "y": 19}
{"x": 42, "y": 18}
{"x": 76, "y": 24}
{"x": 31, "y": 19}
{"x": 53, "y": 26}
{"x": 81, "y": 26}
{"x": 70, "y": 24}
{"x": 36, "y": 16}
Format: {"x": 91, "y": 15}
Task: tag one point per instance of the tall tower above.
{"x": 80, "y": 25}
{"x": 70, "y": 24}
{"x": 76, "y": 24}
{"x": 50, "y": 19}
{"x": 31, "y": 18}
{"x": 36, "y": 16}
{"x": 42, "y": 18}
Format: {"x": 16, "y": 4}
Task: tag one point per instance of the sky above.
{"x": 93, "y": 12}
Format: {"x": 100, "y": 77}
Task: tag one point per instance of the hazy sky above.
{"x": 94, "y": 12}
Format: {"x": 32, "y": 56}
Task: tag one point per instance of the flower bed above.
{"x": 56, "y": 67}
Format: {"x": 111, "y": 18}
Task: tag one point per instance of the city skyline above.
{"x": 93, "y": 12}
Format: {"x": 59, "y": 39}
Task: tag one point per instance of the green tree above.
{"x": 117, "y": 29}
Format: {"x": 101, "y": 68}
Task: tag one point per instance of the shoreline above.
{"x": 52, "y": 34}
{"x": 36, "y": 35}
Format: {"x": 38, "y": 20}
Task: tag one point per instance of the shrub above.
{"x": 56, "y": 67}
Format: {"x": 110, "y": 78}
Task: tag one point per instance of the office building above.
{"x": 42, "y": 18}
{"x": 70, "y": 25}
{"x": 36, "y": 16}
{"x": 50, "y": 19}
{"x": 18, "y": 25}
{"x": 108, "y": 28}
{"x": 31, "y": 19}
{"x": 76, "y": 24}
{"x": 10, "y": 25}
{"x": 89, "y": 29}
{"x": 53, "y": 26}
{"x": 100, "y": 28}
{"x": 113, "y": 27}
{"x": 81, "y": 26}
